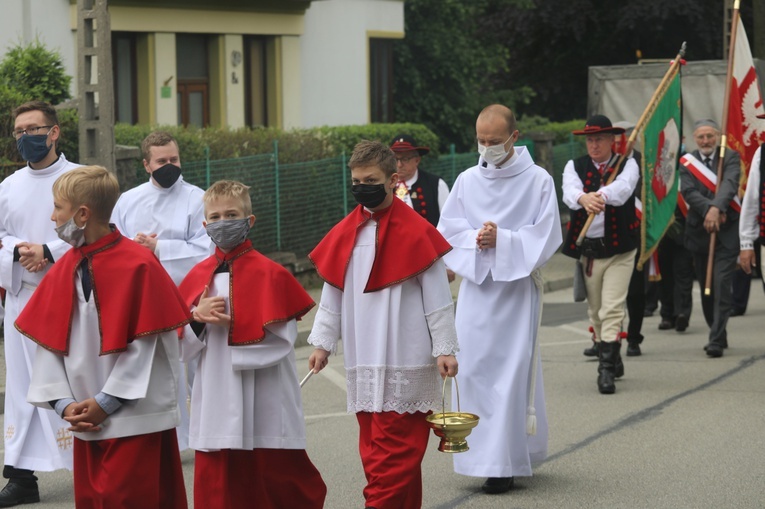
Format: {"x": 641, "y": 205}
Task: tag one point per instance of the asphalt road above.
{"x": 682, "y": 431}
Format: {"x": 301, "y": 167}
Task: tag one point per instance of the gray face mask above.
{"x": 228, "y": 233}
{"x": 70, "y": 233}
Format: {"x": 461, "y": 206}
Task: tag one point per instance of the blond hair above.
{"x": 230, "y": 189}
{"x": 373, "y": 153}
{"x": 156, "y": 139}
{"x": 92, "y": 186}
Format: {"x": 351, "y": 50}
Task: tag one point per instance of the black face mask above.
{"x": 166, "y": 175}
{"x": 369, "y": 195}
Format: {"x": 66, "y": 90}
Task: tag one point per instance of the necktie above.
{"x": 601, "y": 168}
{"x": 87, "y": 285}
{"x": 708, "y": 162}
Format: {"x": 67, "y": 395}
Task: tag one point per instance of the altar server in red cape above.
{"x": 105, "y": 316}
{"x": 247, "y": 422}
{"x": 386, "y": 294}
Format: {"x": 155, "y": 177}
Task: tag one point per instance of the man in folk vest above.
{"x": 424, "y": 192}
{"x": 610, "y": 244}
{"x": 712, "y": 207}
{"x": 751, "y": 226}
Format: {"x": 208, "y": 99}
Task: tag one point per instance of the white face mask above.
{"x": 494, "y": 154}
{"x": 70, "y": 233}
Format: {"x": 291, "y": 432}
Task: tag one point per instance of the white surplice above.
{"x": 35, "y": 438}
{"x": 245, "y": 396}
{"x": 175, "y": 214}
{"x": 146, "y": 374}
{"x": 498, "y": 308}
{"x": 391, "y": 337}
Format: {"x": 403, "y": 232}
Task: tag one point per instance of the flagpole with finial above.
{"x": 723, "y": 140}
{"x": 657, "y": 95}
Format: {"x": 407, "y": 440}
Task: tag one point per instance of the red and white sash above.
{"x": 706, "y": 177}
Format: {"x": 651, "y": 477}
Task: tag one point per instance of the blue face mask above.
{"x": 33, "y": 148}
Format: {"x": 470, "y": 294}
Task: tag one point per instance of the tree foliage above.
{"x": 555, "y": 41}
{"x": 446, "y": 66}
{"x": 29, "y": 73}
{"x": 37, "y": 72}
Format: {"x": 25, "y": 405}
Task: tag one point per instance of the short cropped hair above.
{"x": 373, "y": 153}
{"x": 504, "y": 112}
{"x": 93, "y": 186}
{"x": 229, "y": 189}
{"x": 48, "y": 111}
{"x": 156, "y": 139}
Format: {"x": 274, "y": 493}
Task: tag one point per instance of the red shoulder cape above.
{"x": 407, "y": 245}
{"x": 261, "y": 292}
{"x": 133, "y": 294}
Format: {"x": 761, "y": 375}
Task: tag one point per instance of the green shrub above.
{"x": 9, "y": 155}
{"x": 561, "y": 130}
{"x": 37, "y": 72}
{"x": 69, "y": 141}
{"x": 294, "y": 146}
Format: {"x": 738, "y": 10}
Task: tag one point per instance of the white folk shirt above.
{"x": 391, "y": 337}
{"x": 246, "y": 396}
{"x": 175, "y": 214}
{"x": 749, "y": 222}
{"x": 498, "y": 308}
{"x": 35, "y": 438}
{"x": 615, "y": 194}
{"x": 146, "y": 374}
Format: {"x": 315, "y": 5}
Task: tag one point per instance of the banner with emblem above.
{"x": 661, "y": 137}
{"x": 745, "y": 132}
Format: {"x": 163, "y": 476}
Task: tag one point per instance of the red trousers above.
{"x": 138, "y": 472}
{"x": 262, "y": 478}
{"x": 392, "y": 446}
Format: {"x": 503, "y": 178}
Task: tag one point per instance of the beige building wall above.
{"x": 290, "y": 82}
{"x": 234, "y": 80}
{"x": 166, "y": 110}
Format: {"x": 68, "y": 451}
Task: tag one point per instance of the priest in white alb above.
{"x": 36, "y": 439}
{"x": 166, "y": 216}
{"x": 502, "y": 221}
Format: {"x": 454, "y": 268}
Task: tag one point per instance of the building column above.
{"x": 290, "y": 82}
{"x": 165, "y": 86}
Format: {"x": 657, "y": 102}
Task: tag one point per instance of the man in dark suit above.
{"x": 710, "y": 211}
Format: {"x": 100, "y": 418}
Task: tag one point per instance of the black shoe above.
{"x": 723, "y": 344}
{"x": 681, "y": 323}
{"x": 495, "y": 485}
{"x": 737, "y": 312}
{"x": 666, "y": 324}
{"x": 648, "y": 312}
{"x": 714, "y": 350}
{"x": 591, "y": 351}
{"x": 633, "y": 349}
{"x": 19, "y": 492}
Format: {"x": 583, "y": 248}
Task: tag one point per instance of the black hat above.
{"x": 405, "y": 143}
{"x": 599, "y": 124}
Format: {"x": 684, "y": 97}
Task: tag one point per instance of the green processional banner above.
{"x": 662, "y": 138}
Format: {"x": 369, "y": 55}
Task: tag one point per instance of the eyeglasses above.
{"x": 405, "y": 159}
{"x": 30, "y": 130}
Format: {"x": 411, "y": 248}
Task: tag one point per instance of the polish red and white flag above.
{"x": 745, "y": 131}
